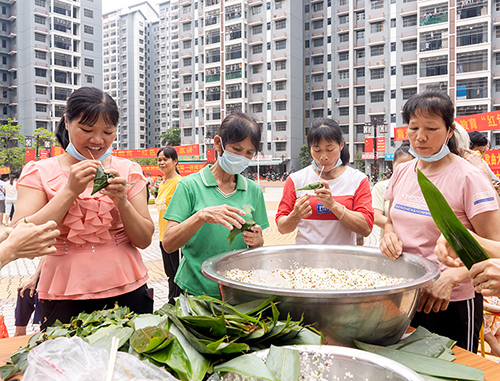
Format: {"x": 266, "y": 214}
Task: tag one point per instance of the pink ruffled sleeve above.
{"x": 136, "y": 178}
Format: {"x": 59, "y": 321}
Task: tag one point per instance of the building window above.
{"x": 344, "y": 37}
{"x": 88, "y": 29}
{"x": 376, "y": 73}
{"x": 318, "y": 60}
{"x": 257, "y": 29}
{"x": 377, "y": 50}
{"x": 343, "y": 111}
{"x": 89, "y": 78}
{"x": 377, "y": 27}
{"x": 88, "y": 13}
{"x": 40, "y": 90}
{"x": 377, "y": 96}
{"x": 280, "y": 45}
{"x": 280, "y": 126}
{"x": 280, "y": 86}
{"x": 409, "y": 45}
{"x": 393, "y": 23}
{"x": 88, "y": 46}
{"x": 257, "y": 108}
{"x": 89, "y": 62}
{"x": 344, "y": 56}
{"x": 360, "y": 110}
{"x": 408, "y": 93}
{"x": 280, "y": 146}
{"x": 280, "y": 106}
{"x": 344, "y": 19}
{"x": 40, "y": 72}
{"x": 40, "y": 20}
{"x": 40, "y": 55}
{"x": 40, "y": 107}
{"x": 376, "y": 4}
{"x": 256, "y": 49}
{"x": 410, "y": 69}
{"x": 280, "y": 65}
{"x": 360, "y": 91}
{"x": 409, "y": 21}
{"x": 280, "y": 24}
{"x": 344, "y": 74}
{"x": 360, "y": 72}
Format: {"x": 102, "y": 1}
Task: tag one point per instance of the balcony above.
{"x": 13, "y": 50}
{"x": 184, "y": 19}
{"x": 433, "y": 19}
{"x": 316, "y": 70}
{"x": 254, "y": 100}
{"x": 255, "y": 21}
{"x": 376, "y": 110}
{"x": 279, "y": 77}
{"x": 279, "y": 56}
{"x": 279, "y": 15}
{"x": 318, "y": 16}
{"x": 256, "y": 80}
{"x": 408, "y": 9}
{"x": 235, "y": 94}
{"x": 255, "y": 2}
{"x": 187, "y": 53}
{"x": 408, "y": 35}
{"x": 279, "y": 118}
{"x": 376, "y": 63}
{"x": 256, "y": 60}
{"x": 376, "y": 16}
{"x": 12, "y": 33}
{"x": 408, "y": 83}
{"x": 279, "y": 36}
{"x": 379, "y": 40}
{"x": 318, "y": 88}
{"x": 234, "y": 75}
{"x": 186, "y": 36}
{"x": 256, "y": 41}
{"x": 213, "y": 97}
{"x": 279, "y": 97}
{"x": 376, "y": 87}
{"x": 316, "y": 106}
{"x": 318, "y": 34}
{"x": 12, "y": 16}
{"x": 343, "y": 9}
{"x": 343, "y": 65}
{"x": 317, "y": 52}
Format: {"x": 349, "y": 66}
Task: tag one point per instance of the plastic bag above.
{"x": 73, "y": 359}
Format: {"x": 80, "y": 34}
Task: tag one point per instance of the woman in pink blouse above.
{"x": 97, "y": 263}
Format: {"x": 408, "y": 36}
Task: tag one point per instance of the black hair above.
{"x": 329, "y": 130}
{"x": 477, "y": 139}
{"x": 238, "y": 126}
{"x": 402, "y": 151}
{"x": 87, "y": 103}
{"x": 13, "y": 176}
{"x": 433, "y": 102}
{"x": 169, "y": 153}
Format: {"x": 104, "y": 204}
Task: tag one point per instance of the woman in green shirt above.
{"x": 207, "y": 204}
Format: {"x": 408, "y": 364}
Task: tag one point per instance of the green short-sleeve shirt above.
{"x": 198, "y": 191}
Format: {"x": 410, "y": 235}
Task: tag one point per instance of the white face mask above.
{"x": 445, "y": 150}
{"x": 232, "y": 163}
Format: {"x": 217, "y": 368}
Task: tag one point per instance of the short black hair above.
{"x": 88, "y": 103}
{"x": 329, "y": 130}
{"x": 169, "y": 153}
{"x": 433, "y": 102}
{"x": 238, "y": 126}
{"x": 477, "y": 139}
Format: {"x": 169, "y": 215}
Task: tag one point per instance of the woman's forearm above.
{"x": 354, "y": 221}
{"x": 379, "y": 219}
{"x": 139, "y": 228}
{"x": 287, "y": 224}
{"x": 178, "y": 234}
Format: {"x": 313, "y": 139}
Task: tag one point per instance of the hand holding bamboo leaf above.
{"x": 311, "y": 186}
{"x": 225, "y": 215}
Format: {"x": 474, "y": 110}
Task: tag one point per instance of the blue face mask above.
{"x": 78, "y": 156}
{"x": 232, "y": 163}
{"x": 338, "y": 164}
{"x": 445, "y": 150}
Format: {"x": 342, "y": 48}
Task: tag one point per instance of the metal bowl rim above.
{"x": 432, "y": 273}
{"x": 354, "y": 354}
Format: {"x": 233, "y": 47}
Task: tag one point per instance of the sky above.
{"x": 112, "y": 5}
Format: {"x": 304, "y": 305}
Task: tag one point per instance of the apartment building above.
{"x": 48, "y": 49}
{"x": 128, "y": 62}
{"x": 235, "y": 55}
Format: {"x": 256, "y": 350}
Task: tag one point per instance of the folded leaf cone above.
{"x": 462, "y": 242}
{"x": 249, "y": 222}
{"x": 101, "y": 180}
{"x": 310, "y": 187}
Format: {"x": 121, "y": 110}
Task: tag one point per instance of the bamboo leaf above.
{"x": 457, "y": 235}
{"x": 245, "y": 227}
{"x": 310, "y": 187}
{"x": 101, "y": 180}
{"x": 148, "y": 339}
{"x": 426, "y": 365}
{"x": 9, "y": 370}
{"x": 102, "y": 337}
{"x": 248, "y": 366}
{"x": 284, "y": 363}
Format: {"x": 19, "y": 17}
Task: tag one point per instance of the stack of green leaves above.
{"x": 187, "y": 339}
{"x": 428, "y": 354}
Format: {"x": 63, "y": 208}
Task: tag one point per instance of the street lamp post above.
{"x": 383, "y": 129}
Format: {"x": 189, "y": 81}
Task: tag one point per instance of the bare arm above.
{"x": 379, "y": 218}
{"x": 390, "y": 245}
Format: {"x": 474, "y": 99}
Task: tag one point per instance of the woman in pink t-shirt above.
{"x": 97, "y": 262}
{"x": 448, "y": 306}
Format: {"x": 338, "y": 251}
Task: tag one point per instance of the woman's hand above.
{"x": 80, "y": 175}
{"x": 324, "y": 195}
{"x": 302, "y": 208}
{"x": 29, "y": 285}
{"x": 225, "y": 215}
{"x": 436, "y": 296}
{"x": 486, "y": 277}
{"x": 446, "y": 254}
{"x": 391, "y": 246}
{"x": 117, "y": 188}
{"x": 253, "y": 238}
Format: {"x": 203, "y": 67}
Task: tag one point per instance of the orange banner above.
{"x": 380, "y": 144}
{"x": 54, "y": 151}
{"x": 43, "y": 154}
{"x": 187, "y": 150}
{"x": 184, "y": 169}
{"x": 368, "y": 144}
{"x": 400, "y": 133}
{"x": 4, "y": 170}
{"x": 480, "y": 122}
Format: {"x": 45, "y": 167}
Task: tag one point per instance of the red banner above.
{"x": 400, "y": 133}
{"x": 211, "y": 155}
{"x": 184, "y": 169}
{"x": 480, "y": 122}
{"x": 4, "y": 170}
{"x": 192, "y": 149}
{"x": 54, "y": 151}
{"x": 43, "y": 154}
{"x": 380, "y": 144}
{"x": 368, "y": 144}
{"x": 29, "y": 155}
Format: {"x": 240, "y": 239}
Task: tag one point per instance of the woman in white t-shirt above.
{"x": 448, "y": 306}
{"x": 10, "y": 190}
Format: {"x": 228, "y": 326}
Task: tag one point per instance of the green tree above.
{"x": 172, "y": 137}
{"x": 359, "y": 162}
{"x": 305, "y": 156}
{"x": 40, "y": 136}
{"x": 145, "y": 160}
{"x": 12, "y": 146}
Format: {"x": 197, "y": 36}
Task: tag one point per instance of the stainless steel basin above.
{"x": 378, "y": 316}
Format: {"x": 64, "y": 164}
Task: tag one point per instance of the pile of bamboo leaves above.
{"x": 188, "y": 339}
